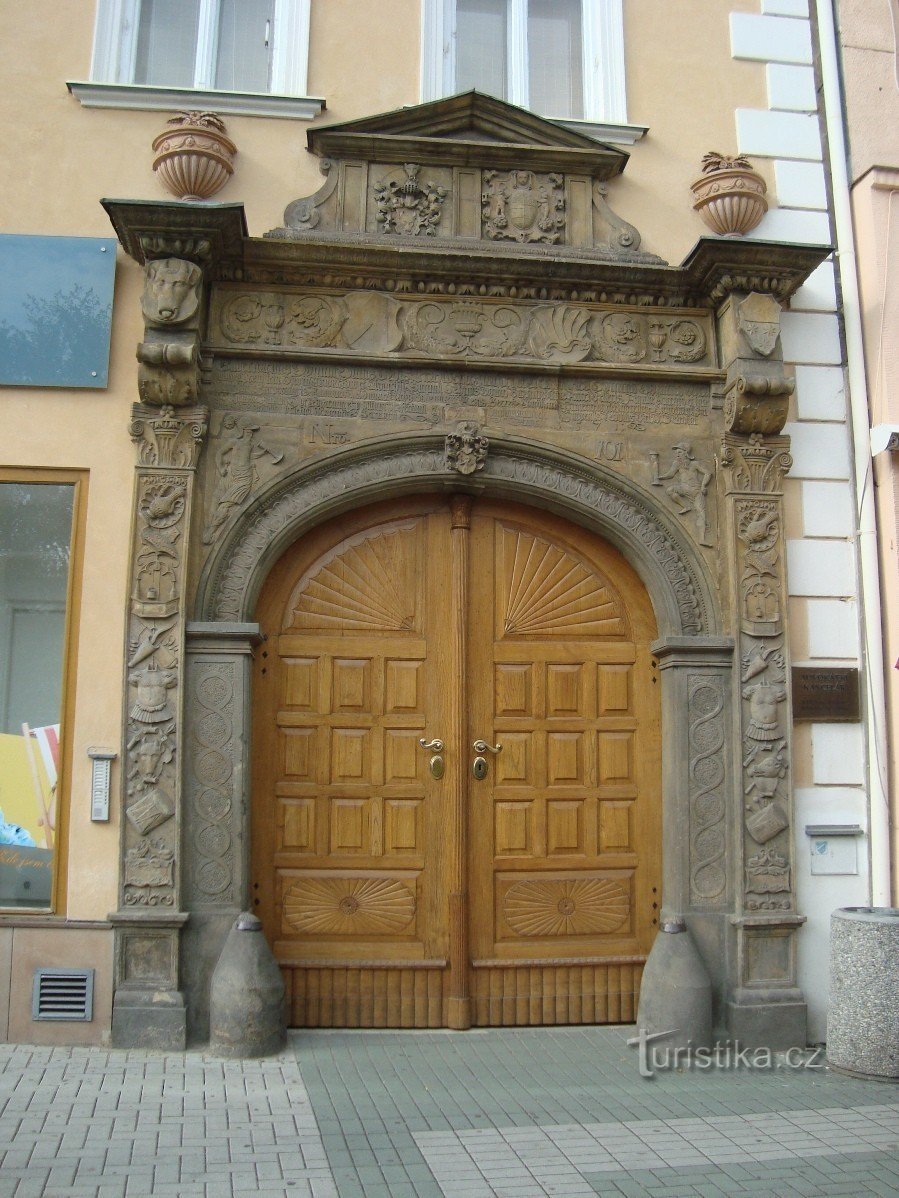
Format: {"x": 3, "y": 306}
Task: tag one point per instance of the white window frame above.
{"x": 605, "y": 101}
{"x": 115, "y": 47}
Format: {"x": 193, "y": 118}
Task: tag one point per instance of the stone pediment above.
{"x": 467, "y": 168}
{"x": 469, "y": 129}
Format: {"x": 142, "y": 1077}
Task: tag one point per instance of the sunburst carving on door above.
{"x": 369, "y": 582}
{"x": 546, "y": 590}
{"x": 566, "y": 906}
{"x": 349, "y": 906}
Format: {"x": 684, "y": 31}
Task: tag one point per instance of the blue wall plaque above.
{"x": 55, "y": 310}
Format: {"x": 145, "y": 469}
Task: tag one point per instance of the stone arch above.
{"x": 681, "y": 591}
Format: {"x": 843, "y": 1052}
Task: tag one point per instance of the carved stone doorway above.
{"x": 456, "y": 785}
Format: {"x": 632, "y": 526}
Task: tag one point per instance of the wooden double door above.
{"x": 405, "y": 875}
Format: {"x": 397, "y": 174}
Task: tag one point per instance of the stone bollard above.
{"x": 246, "y": 1007}
{"x": 676, "y": 991}
{"x": 862, "y": 1015}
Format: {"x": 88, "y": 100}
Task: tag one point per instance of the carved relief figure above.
{"x": 171, "y": 291}
{"x": 519, "y": 206}
{"x": 689, "y": 486}
{"x": 618, "y": 337}
{"x": 149, "y": 869}
{"x": 235, "y": 466}
{"x": 156, "y": 565}
{"x": 765, "y": 761}
{"x": 767, "y": 872}
{"x": 151, "y": 704}
{"x": 406, "y": 207}
{"x": 758, "y": 527}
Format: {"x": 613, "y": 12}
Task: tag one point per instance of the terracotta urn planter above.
{"x": 729, "y": 195}
{"x": 194, "y": 159}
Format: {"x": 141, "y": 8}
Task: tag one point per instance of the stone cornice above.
{"x": 216, "y": 234}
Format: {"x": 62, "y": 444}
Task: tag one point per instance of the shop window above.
{"x": 247, "y": 46}
{"x": 563, "y": 59}
{"x": 37, "y": 523}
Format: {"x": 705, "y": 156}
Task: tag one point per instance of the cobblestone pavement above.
{"x": 435, "y": 1115}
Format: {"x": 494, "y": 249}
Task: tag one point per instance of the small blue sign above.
{"x": 55, "y": 310}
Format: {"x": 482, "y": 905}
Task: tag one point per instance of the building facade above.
{"x": 463, "y": 574}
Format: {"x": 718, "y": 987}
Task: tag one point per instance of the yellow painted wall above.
{"x": 61, "y": 158}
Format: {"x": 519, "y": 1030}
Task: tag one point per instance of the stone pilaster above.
{"x": 766, "y": 1006}
{"x": 216, "y": 884}
{"x": 699, "y": 780}
{"x": 148, "y": 1008}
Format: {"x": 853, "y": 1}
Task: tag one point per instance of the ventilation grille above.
{"x": 63, "y": 994}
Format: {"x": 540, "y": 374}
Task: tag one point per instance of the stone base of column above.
{"x": 149, "y": 1019}
{"x": 775, "y": 1024}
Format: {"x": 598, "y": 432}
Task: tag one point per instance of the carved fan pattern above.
{"x": 549, "y": 591}
{"x": 366, "y": 583}
{"x": 353, "y": 906}
{"x": 569, "y": 907}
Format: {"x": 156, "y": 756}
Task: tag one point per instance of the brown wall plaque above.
{"x": 827, "y": 695}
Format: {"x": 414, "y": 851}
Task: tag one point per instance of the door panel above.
{"x": 368, "y": 891}
{"x": 564, "y": 847}
{"x": 347, "y": 846}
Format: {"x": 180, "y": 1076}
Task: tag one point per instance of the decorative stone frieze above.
{"x": 371, "y": 323}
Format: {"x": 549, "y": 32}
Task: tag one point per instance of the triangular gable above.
{"x": 470, "y": 128}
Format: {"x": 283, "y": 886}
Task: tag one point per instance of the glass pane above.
{"x": 481, "y": 46}
{"x": 55, "y": 310}
{"x": 555, "y": 67}
{"x": 35, "y": 539}
{"x": 167, "y": 42}
{"x": 244, "y": 60}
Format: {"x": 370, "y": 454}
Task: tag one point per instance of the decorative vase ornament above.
{"x": 729, "y": 195}
{"x": 194, "y": 159}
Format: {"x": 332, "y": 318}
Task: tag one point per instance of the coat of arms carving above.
{"x": 523, "y": 206}
{"x": 466, "y": 449}
{"x": 405, "y": 206}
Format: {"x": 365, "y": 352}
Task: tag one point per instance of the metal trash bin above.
{"x": 863, "y": 1012}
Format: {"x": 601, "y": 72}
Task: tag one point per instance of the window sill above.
{"x": 169, "y": 99}
{"x": 624, "y": 135}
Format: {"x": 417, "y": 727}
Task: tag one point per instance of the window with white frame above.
{"x": 563, "y": 59}
{"x": 247, "y": 46}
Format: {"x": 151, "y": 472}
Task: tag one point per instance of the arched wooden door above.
{"x": 402, "y": 891}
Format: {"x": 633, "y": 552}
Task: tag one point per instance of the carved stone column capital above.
{"x": 165, "y": 437}
{"x": 755, "y": 465}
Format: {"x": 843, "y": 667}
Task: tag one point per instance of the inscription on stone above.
{"x": 828, "y": 696}
{"x": 420, "y": 397}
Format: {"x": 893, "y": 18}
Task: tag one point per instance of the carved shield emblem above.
{"x": 759, "y": 321}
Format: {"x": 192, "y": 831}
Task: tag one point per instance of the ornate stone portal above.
{"x": 457, "y": 308}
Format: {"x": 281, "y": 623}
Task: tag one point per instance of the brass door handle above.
{"x": 481, "y": 746}
{"x": 436, "y": 765}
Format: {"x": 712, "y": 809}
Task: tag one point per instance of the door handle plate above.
{"x": 479, "y": 767}
{"x": 437, "y": 766}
